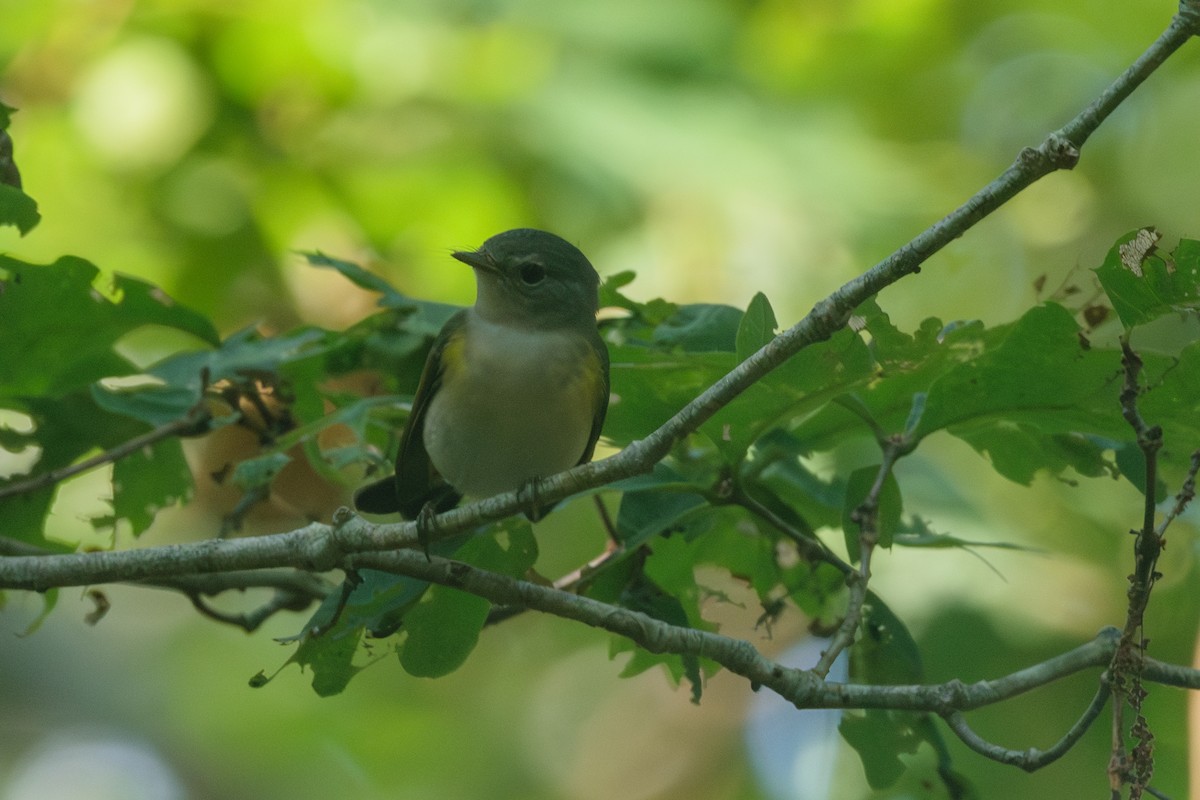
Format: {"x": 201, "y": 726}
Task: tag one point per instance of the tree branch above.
{"x": 1128, "y": 667}
{"x": 320, "y": 545}
{"x": 281, "y": 600}
{"x": 803, "y": 688}
{"x": 294, "y": 590}
{"x": 1032, "y": 758}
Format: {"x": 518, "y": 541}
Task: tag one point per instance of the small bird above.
{"x": 515, "y": 388}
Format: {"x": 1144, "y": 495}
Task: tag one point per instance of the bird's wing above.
{"x": 599, "y": 396}
{"x": 416, "y": 481}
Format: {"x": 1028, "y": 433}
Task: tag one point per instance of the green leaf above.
{"x": 776, "y": 470}
{"x": 757, "y": 327}
{"x": 49, "y": 601}
{"x": 1144, "y": 285}
{"x": 331, "y": 657}
{"x": 1171, "y": 399}
{"x": 376, "y": 605}
{"x": 890, "y": 370}
{"x": 700, "y": 328}
{"x": 644, "y": 595}
{"x": 885, "y": 654}
{"x": 1020, "y": 449}
{"x": 142, "y": 303}
{"x": 177, "y": 382}
{"x": 918, "y": 534}
{"x": 791, "y": 393}
{"x": 665, "y": 507}
{"x": 1030, "y": 385}
{"x": 443, "y": 629}
{"x": 60, "y": 332}
{"x": 818, "y": 591}
{"x": 379, "y": 601}
{"x": 149, "y": 480}
{"x": 858, "y": 486}
{"x": 734, "y": 545}
{"x": 614, "y": 282}
{"x": 650, "y": 385}
{"x": 508, "y": 547}
{"x": 360, "y": 277}
{"x": 641, "y": 314}
{"x": 65, "y": 429}
{"x": 24, "y": 515}
{"x": 1027, "y": 395}
{"x": 879, "y": 742}
{"x": 152, "y": 403}
{"x": 256, "y": 472}
{"x": 18, "y": 209}
{"x": 420, "y": 316}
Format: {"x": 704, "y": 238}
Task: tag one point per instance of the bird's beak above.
{"x": 477, "y": 259}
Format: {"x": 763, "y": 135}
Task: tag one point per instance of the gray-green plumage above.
{"x": 515, "y": 387}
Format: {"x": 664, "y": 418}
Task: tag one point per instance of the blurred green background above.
{"x": 716, "y": 147}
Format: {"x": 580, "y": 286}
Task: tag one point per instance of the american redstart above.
{"x": 515, "y": 388}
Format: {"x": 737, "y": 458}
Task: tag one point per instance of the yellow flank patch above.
{"x": 591, "y": 381}
{"x": 454, "y": 356}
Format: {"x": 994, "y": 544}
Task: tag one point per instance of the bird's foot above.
{"x": 527, "y": 494}
{"x": 427, "y": 527}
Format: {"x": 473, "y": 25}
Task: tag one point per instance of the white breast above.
{"x": 521, "y": 408}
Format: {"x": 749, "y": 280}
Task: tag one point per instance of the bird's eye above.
{"x": 532, "y": 274}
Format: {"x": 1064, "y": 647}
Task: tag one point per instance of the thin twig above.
{"x": 294, "y": 590}
{"x": 866, "y": 516}
{"x": 570, "y": 582}
{"x": 1124, "y": 768}
{"x": 811, "y": 547}
{"x": 1031, "y": 759}
{"x": 195, "y": 420}
{"x": 1187, "y": 493}
{"x": 251, "y": 620}
{"x": 610, "y": 526}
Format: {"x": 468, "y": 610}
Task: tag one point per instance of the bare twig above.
{"x": 294, "y": 590}
{"x": 1032, "y": 758}
{"x": 251, "y": 620}
{"x": 1125, "y": 669}
{"x": 866, "y": 516}
{"x": 194, "y": 421}
{"x": 1187, "y": 493}
{"x": 811, "y": 547}
{"x": 572, "y": 581}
